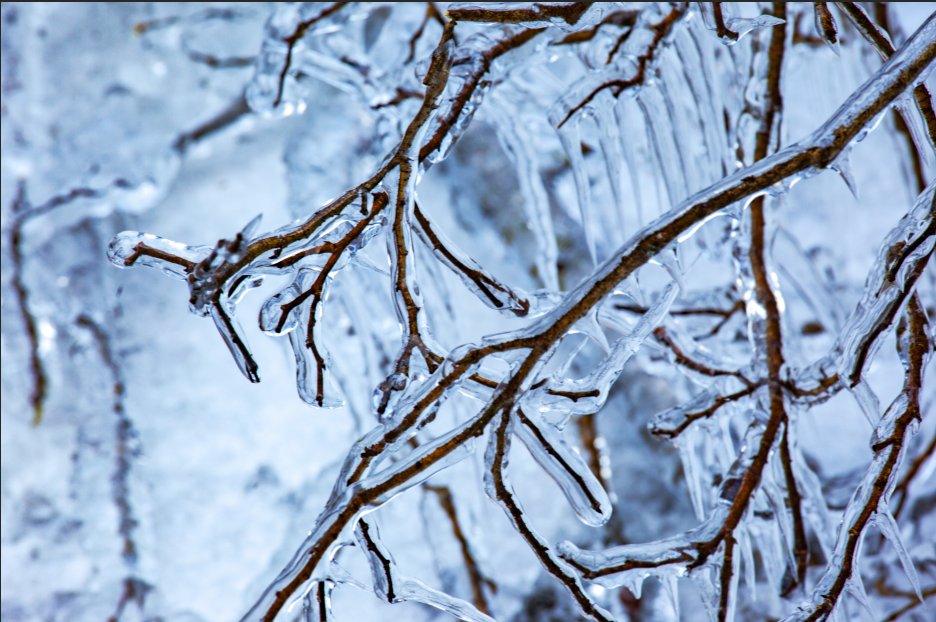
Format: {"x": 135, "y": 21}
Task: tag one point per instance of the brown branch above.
{"x": 142, "y": 27}
{"x": 661, "y": 335}
{"x": 505, "y": 496}
{"x": 227, "y": 117}
{"x": 724, "y": 314}
{"x": 660, "y": 31}
{"x": 826, "y": 22}
{"x": 40, "y": 380}
{"x": 485, "y": 283}
{"x": 381, "y": 559}
{"x": 885, "y": 48}
{"x": 727, "y": 570}
{"x": 538, "y": 12}
{"x": 484, "y": 60}
{"x": 557, "y": 457}
{"x": 889, "y": 449}
{"x": 400, "y": 96}
{"x": 903, "y": 486}
{"x": 721, "y": 29}
{"x": 716, "y": 404}
{"x": 913, "y": 603}
{"x": 134, "y": 590}
{"x": 145, "y": 250}
{"x": 476, "y": 578}
{"x": 406, "y": 304}
{"x": 772, "y": 338}
{"x": 335, "y": 250}
{"x": 293, "y": 38}
{"x": 219, "y": 62}
{"x": 317, "y": 290}
{"x": 818, "y": 151}
{"x": 622, "y": 19}
{"x": 432, "y": 13}
{"x": 589, "y": 437}
{"x": 574, "y": 395}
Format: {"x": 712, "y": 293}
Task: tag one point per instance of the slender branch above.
{"x": 500, "y": 442}
{"x": 293, "y": 38}
{"x": 885, "y": 48}
{"x": 359, "y": 488}
{"x": 913, "y": 603}
{"x": 134, "y": 590}
{"x": 622, "y": 19}
{"x": 660, "y": 31}
{"x": 772, "y": 336}
{"x": 663, "y": 336}
{"x": 432, "y": 13}
{"x": 720, "y": 28}
{"x": 537, "y": 12}
{"x": 875, "y": 491}
{"x": 826, "y": 22}
{"x": 903, "y": 486}
{"x": 476, "y": 578}
{"x": 691, "y": 417}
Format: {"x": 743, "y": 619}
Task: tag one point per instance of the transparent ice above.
{"x": 482, "y": 223}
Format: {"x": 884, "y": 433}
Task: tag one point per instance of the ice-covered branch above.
{"x": 514, "y": 382}
{"x": 870, "y": 503}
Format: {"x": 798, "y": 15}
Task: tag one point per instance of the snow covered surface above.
{"x": 149, "y": 480}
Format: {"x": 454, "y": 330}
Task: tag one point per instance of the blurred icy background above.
{"x": 159, "y": 484}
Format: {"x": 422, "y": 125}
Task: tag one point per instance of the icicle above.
{"x": 610, "y": 140}
{"x": 843, "y": 167}
{"x": 868, "y": 402}
{"x": 313, "y": 378}
{"x": 671, "y": 589}
{"x": 770, "y": 549}
{"x": 815, "y": 509}
{"x": 629, "y": 136}
{"x": 668, "y": 166}
{"x": 743, "y": 26}
{"x": 566, "y": 467}
{"x": 571, "y": 138}
{"x": 705, "y": 584}
{"x": 855, "y": 586}
{"x": 680, "y": 131}
{"x": 686, "y": 445}
{"x": 695, "y": 76}
{"x": 415, "y": 590}
{"x": 535, "y": 199}
{"x": 885, "y": 521}
{"x": 800, "y": 268}
{"x": 745, "y": 544}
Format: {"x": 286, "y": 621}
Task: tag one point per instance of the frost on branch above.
{"x": 617, "y": 233}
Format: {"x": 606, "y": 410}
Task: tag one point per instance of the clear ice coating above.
{"x": 491, "y": 223}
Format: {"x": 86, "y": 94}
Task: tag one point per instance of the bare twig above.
{"x": 720, "y": 28}
{"x": 660, "y": 31}
{"x": 538, "y": 12}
